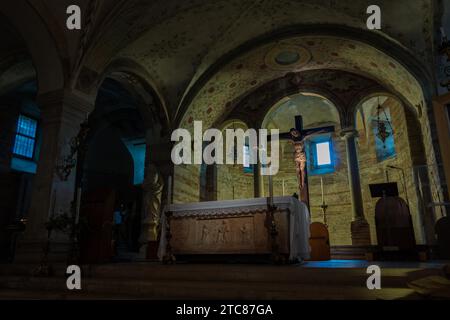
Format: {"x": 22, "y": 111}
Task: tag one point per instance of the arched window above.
{"x": 374, "y": 116}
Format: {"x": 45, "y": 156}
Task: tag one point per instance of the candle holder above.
{"x": 169, "y": 257}
{"x": 324, "y": 207}
{"x": 271, "y": 225}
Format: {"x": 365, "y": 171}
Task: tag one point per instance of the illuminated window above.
{"x": 248, "y": 168}
{"x": 323, "y": 152}
{"x": 25, "y": 137}
{"x": 384, "y": 150}
{"x": 320, "y": 151}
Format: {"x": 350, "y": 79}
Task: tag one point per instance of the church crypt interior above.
{"x": 98, "y": 98}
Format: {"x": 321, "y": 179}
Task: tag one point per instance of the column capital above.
{"x": 65, "y": 99}
{"x": 64, "y": 105}
{"x": 349, "y": 132}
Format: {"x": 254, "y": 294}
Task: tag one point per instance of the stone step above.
{"x": 54, "y": 288}
{"x": 348, "y": 252}
{"x": 394, "y": 277}
{"x": 391, "y": 277}
{"x": 16, "y": 294}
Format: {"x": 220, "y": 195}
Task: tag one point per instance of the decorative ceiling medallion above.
{"x": 287, "y": 57}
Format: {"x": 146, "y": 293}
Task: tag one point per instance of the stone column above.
{"x": 158, "y": 168}
{"x": 151, "y": 208}
{"x": 257, "y": 180}
{"x": 61, "y": 115}
{"x": 360, "y": 230}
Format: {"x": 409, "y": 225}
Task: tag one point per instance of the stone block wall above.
{"x": 407, "y": 146}
{"x": 430, "y": 145}
{"x": 186, "y": 186}
{"x": 233, "y": 183}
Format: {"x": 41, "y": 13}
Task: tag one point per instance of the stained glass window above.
{"x": 25, "y": 137}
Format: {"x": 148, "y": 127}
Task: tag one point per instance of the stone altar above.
{"x": 236, "y": 227}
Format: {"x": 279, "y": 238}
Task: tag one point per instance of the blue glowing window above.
{"x": 320, "y": 149}
{"x": 384, "y": 150}
{"x": 323, "y": 152}
{"x": 25, "y": 137}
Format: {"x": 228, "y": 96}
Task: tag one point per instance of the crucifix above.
{"x": 298, "y": 136}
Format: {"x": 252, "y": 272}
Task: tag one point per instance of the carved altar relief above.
{"x": 225, "y": 233}
{"x": 246, "y": 236}
{"x": 205, "y": 234}
{"x": 214, "y": 235}
{"x": 222, "y": 231}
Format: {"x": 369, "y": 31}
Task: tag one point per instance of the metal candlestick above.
{"x": 324, "y": 207}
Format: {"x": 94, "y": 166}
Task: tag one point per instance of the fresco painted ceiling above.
{"x": 251, "y": 70}
{"x": 177, "y": 41}
{"x": 341, "y": 89}
{"x": 314, "y": 109}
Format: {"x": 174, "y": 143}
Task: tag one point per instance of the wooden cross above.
{"x": 298, "y": 137}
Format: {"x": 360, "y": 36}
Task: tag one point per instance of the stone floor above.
{"x": 329, "y": 280}
{"x": 381, "y": 264}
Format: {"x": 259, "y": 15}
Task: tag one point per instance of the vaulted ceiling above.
{"x": 255, "y": 68}
{"x": 315, "y": 110}
{"x": 180, "y": 46}
{"x": 336, "y": 94}
{"x": 176, "y": 42}
{"x": 15, "y": 63}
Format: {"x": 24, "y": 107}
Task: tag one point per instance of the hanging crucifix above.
{"x": 298, "y": 137}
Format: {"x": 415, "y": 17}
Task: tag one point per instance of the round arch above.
{"x": 314, "y": 94}
{"x": 417, "y": 112}
{"x": 330, "y": 52}
{"x": 338, "y": 87}
{"x": 229, "y": 122}
{"x": 40, "y": 44}
{"x": 232, "y": 181}
{"x": 398, "y": 58}
{"x": 134, "y": 77}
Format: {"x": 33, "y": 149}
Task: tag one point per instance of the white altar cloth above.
{"x": 299, "y": 233}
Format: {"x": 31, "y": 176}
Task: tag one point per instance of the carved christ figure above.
{"x": 152, "y": 188}
{"x": 298, "y": 136}
{"x": 299, "y": 158}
